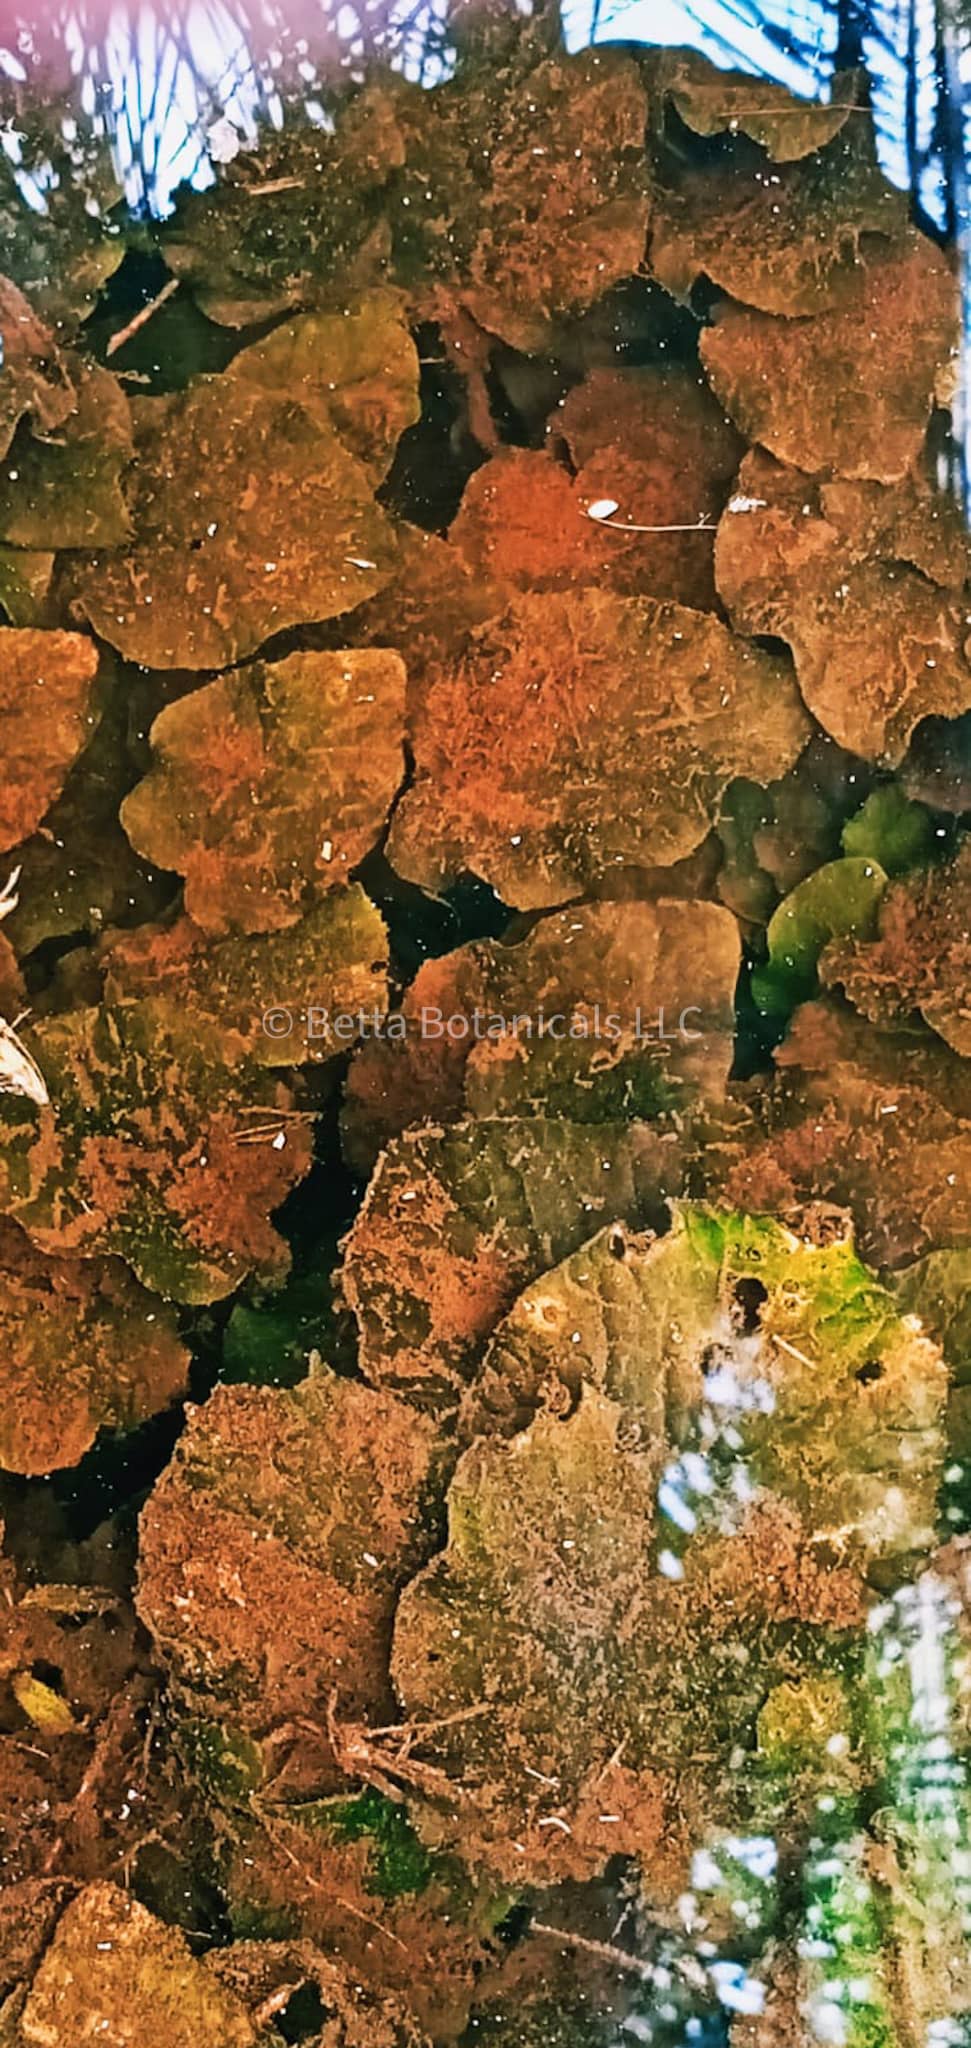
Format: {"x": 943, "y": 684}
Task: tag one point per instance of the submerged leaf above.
{"x": 790, "y": 242}
{"x": 36, "y": 382}
{"x": 356, "y": 370}
{"x": 582, "y": 732}
{"x": 111, "y": 1957}
{"x": 274, "y": 1545}
{"x": 710, "y": 100}
{"x": 249, "y": 515}
{"x": 456, "y": 1222}
{"x": 46, "y": 693}
{"x": 83, "y": 1348}
{"x": 602, "y": 1010}
{"x": 838, "y": 901}
{"x": 25, "y": 579}
{"x": 849, "y": 390}
{"x": 878, "y": 644}
{"x": 876, "y": 1123}
{"x": 917, "y": 958}
{"x": 139, "y": 1151}
{"x": 295, "y": 984}
{"x": 64, "y": 491}
{"x": 271, "y": 783}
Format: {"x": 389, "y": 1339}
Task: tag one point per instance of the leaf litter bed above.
{"x": 484, "y": 1501}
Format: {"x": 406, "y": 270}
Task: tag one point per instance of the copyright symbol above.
{"x": 277, "y": 1023}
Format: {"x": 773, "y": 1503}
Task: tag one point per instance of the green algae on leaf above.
{"x": 46, "y": 695}
{"x": 111, "y": 1957}
{"x": 249, "y": 515}
{"x": 273, "y": 1547}
{"x": 848, "y": 391}
{"x": 455, "y": 1222}
{"x": 583, "y": 731}
{"x": 355, "y": 370}
{"x": 838, "y": 1400}
{"x": 84, "y": 1348}
{"x": 918, "y": 956}
{"x": 149, "y": 1148}
{"x": 865, "y": 588}
{"x": 331, "y": 965}
{"x": 891, "y": 829}
{"x": 271, "y": 783}
{"x": 601, "y": 1010}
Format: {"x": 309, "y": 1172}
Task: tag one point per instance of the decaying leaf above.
{"x": 876, "y": 1123}
{"x": 651, "y": 442}
{"x": 300, "y": 223}
{"x": 356, "y": 370}
{"x": 274, "y": 1546}
{"x": 865, "y": 585}
{"x": 249, "y": 515}
{"x": 919, "y": 957}
{"x": 83, "y": 1348}
{"x": 64, "y": 490}
{"x": 78, "y": 871}
{"x": 138, "y": 1152}
{"x": 840, "y": 1402}
{"x": 25, "y": 579}
{"x": 612, "y": 1693}
{"x": 789, "y": 242}
{"x": 281, "y": 994}
{"x": 267, "y": 1975}
{"x": 36, "y": 380}
{"x": 773, "y": 838}
{"x": 456, "y": 1222}
{"x": 848, "y": 391}
{"x": 271, "y": 783}
{"x": 525, "y": 187}
{"x": 710, "y": 101}
{"x": 582, "y": 732}
{"x": 591, "y": 1016}
{"x": 46, "y": 693}
{"x": 112, "y": 1964}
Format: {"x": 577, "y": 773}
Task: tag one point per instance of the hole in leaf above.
{"x": 749, "y": 1297}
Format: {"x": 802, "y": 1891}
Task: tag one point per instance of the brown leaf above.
{"x": 46, "y": 689}
{"x": 84, "y": 1348}
{"x": 274, "y": 1545}
{"x": 848, "y": 391}
{"x": 710, "y": 101}
{"x": 790, "y": 241}
{"x": 65, "y": 491}
{"x": 878, "y": 643}
{"x": 583, "y": 732}
{"x": 456, "y": 1222}
{"x": 920, "y": 959}
{"x": 36, "y": 379}
{"x": 876, "y": 1123}
{"x": 249, "y": 514}
{"x": 272, "y": 783}
{"x": 595, "y": 989}
{"x": 111, "y": 1957}
{"x": 356, "y": 370}
{"x": 138, "y": 1151}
